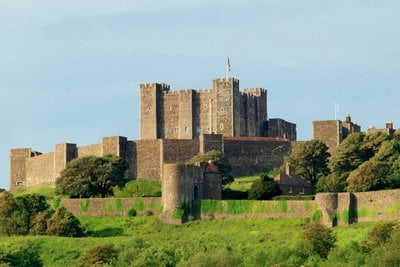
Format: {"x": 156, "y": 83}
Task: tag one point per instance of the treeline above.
{"x": 31, "y": 214}
{"x": 362, "y": 162}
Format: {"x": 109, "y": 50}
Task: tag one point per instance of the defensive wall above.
{"x": 331, "y": 209}
{"x": 147, "y": 157}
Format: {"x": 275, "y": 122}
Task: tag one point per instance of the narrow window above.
{"x": 170, "y": 107}
{"x": 290, "y": 190}
{"x": 302, "y": 191}
{"x": 221, "y": 126}
{"x": 205, "y": 106}
{"x": 186, "y": 129}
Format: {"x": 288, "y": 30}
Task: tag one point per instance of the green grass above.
{"x": 244, "y": 237}
{"x": 243, "y": 207}
{"x": 243, "y": 183}
{"x": 139, "y": 188}
{"x": 48, "y": 191}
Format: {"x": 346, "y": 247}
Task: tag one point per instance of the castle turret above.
{"x": 151, "y": 109}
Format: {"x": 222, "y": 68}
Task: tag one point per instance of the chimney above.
{"x": 348, "y": 118}
{"x": 389, "y": 125}
{"x": 288, "y": 169}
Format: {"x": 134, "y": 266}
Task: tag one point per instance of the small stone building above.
{"x": 291, "y": 184}
{"x": 333, "y": 132}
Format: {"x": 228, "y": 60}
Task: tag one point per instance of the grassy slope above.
{"x": 48, "y": 191}
{"x": 242, "y": 235}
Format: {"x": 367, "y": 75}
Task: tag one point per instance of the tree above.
{"x": 350, "y": 154}
{"x": 220, "y": 160}
{"x": 7, "y": 209}
{"x": 333, "y": 182}
{"x": 309, "y": 160}
{"x": 2, "y": 190}
{"x": 264, "y": 188}
{"x": 16, "y": 214}
{"x": 64, "y": 223}
{"x": 318, "y": 239}
{"x": 369, "y": 176}
{"x": 91, "y": 176}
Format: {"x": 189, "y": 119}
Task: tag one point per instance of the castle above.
{"x": 175, "y": 126}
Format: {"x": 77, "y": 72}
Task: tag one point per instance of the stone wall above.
{"x": 112, "y": 206}
{"x": 249, "y": 154}
{"x": 148, "y": 159}
{"x": 179, "y": 150}
{"x": 227, "y": 209}
{"x": 89, "y": 150}
{"x": 40, "y": 170}
{"x": 347, "y": 208}
{"x": 330, "y": 132}
{"x": 18, "y": 159}
{"x": 283, "y": 129}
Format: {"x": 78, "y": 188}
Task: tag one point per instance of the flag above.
{"x": 337, "y": 108}
{"x": 229, "y": 65}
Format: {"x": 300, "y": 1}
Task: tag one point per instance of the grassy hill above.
{"x": 46, "y": 190}
{"x": 146, "y": 241}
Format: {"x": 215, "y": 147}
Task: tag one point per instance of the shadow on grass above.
{"x": 107, "y": 232}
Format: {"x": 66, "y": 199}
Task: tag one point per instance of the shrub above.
{"x": 98, "y": 256}
{"x": 318, "y": 239}
{"x": 148, "y": 213}
{"x": 264, "y": 188}
{"x": 26, "y": 255}
{"x": 379, "y": 235}
{"x": 132, "y": 213}
{"x": 39, "y": 223}
{"x": 64, "y": 223}
{"x": 16, "y": 214}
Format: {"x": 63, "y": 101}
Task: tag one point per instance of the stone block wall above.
{"x": 89, "y": 150}
{"x": 249, "y": 154}
{"x": 347, "y": 208}
{"x": 18, "y": 159}
{"x": 40, "y": 170}
{"x": 112, "y": 206}
{"x": 330, "y": 132}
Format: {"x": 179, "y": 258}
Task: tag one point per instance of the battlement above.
{"x": 160, "y": 86}
{"x": 226, "y": 80}
{"x": 254, "y": 91}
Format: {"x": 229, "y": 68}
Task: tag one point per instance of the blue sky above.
{"x": 70, "y": 70}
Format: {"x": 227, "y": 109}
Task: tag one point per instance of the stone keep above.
{"x": 223, "y": 109}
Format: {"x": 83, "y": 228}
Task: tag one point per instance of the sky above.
{"x": 70, "y": 70}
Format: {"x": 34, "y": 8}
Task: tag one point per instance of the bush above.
{"x": 132, "y": 213}
{"x": 23, "y": 256}
{"x": 148, "y": 213}
{"x": 379, "y": 235}
{"x": 264, "y": 188}
{"x": 39, "y": 223}
{"x": 318, "y": 239}
{"x": 16, "y": 214}
{"x": 64, "y": 223}
{"x": 98, "y": 256}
